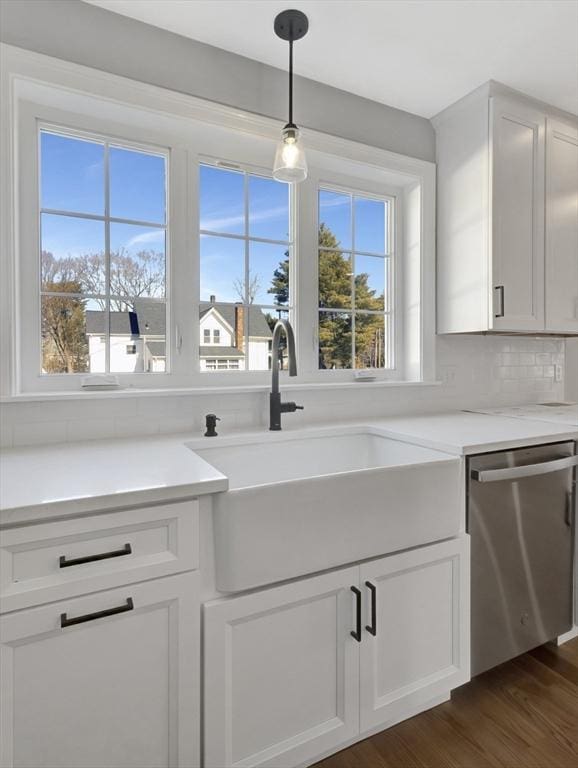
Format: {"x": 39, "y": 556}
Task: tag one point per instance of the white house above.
{"x": 137, "y": 338}
{"x": 222, "y": 337}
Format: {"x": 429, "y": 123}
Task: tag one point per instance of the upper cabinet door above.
{"x": 416, "y": 642}
{"x": 517, "y": 177}
{"x": 281, "y": 673}
{"x": 561, "y": 227}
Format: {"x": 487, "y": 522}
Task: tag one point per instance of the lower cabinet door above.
{"x": 108, "y": 680}
{"x": 420, "y": 649}
{"x": 281, "y": 670}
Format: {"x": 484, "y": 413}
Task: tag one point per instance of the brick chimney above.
{"x": 240, "y": 327}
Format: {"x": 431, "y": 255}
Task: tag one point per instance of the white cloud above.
{"x": 226, "y": 222}
{"x": 154, "y": 236}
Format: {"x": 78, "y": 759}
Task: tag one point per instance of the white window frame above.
{"x": 107, "y": 219}
{"x": 61, "y": 93}
{"x": 32, "y": 119}
{"x": 246, "y": 238}
{"x": 395, "y": 273}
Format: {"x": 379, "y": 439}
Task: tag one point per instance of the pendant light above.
{"x": 290, "y": 162}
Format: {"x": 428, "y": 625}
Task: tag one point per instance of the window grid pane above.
{"x": 246, "y": 250}
{"x": 355, "y": 280}
{"x": 103, "y": 306}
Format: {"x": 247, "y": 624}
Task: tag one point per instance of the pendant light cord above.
{"x": 290, "y": 82}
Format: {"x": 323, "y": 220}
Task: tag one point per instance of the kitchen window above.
{"x": 245, "y": 255}
{"x": 355, "y": 269}
{"x": 102, "y": 254}
{"x": 168, "y": 248}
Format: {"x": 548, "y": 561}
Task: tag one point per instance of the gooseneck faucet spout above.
{"x": 276, "y": 407}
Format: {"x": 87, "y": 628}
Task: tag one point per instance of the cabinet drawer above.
{"x": 51, "y": 561}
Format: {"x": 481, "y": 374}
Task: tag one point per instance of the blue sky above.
{"x": 72, "y": 180}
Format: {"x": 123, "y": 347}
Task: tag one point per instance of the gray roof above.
{"x": 156, "y": 348}
{"x": 258, "y": 325}
{"x": 148, "y": 319}
{"x": 220, "y": 351}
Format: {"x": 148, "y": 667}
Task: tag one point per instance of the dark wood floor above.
{"x": 523, "y": 714}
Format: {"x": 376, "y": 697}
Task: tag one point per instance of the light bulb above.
{"x": 290, "y": 162}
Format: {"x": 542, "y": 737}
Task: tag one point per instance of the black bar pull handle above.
{"x": 372, "y": 628}
{"x": 356, "y": 633}
{"x": 64, "y": 563}
{"x": 500, "y": 288}
{"x": 66, "y": 622}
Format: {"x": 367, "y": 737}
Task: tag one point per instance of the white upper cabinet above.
{"x": 507, "y": 216}
{"x": 561, "y": 227}
{"x": 517, "y": 215}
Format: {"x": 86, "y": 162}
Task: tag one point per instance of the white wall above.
{"x": 127, "y": 47}
{"x": 477, "y": 371}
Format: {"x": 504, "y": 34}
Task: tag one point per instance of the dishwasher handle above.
{"x": 527, "y": 470}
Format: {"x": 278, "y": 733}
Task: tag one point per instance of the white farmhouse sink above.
{"x": 303, "y": 502}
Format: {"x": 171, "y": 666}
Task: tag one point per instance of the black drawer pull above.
{"x": 356, "y": 633}
{"x": 66, "y": 622}
{"x": 64, "y": 563}
{"x": 372, "y": 628}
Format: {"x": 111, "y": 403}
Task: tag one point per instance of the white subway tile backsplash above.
{"x": 38, "y": 433}
{"x": 89, "y": 429}
{"x": 487, "y": 371}
{"x": 543, "y": 358}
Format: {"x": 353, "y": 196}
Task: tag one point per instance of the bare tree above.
{"x": 252, "y": 288}
{"x": 131, "y": 277}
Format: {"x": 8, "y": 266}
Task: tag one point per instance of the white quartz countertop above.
{"x": 82, "y": 478}
{"x": 463, "y": 432}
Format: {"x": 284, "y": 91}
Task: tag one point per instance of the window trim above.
{"x": 56, "y": 85}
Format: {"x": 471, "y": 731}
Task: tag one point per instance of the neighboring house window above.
{"x": 245, "y": 251}
{"x": 102, "y": 253}
{"x": 355, "y": 280}
{"x": 207, "y": 336}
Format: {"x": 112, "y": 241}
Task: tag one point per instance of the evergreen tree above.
{"x": 335, "y": 328}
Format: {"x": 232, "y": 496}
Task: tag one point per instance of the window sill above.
{"x": 129, "y": 392}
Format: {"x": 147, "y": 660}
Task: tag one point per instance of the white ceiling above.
{"x": 417, "y": 55}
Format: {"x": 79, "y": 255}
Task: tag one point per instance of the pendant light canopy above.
{"x": 290, "y": 162}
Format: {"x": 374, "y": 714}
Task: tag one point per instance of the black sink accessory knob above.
{"x": 211, "y": 423}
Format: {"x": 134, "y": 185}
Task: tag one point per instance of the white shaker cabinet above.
{"x": 107, "y": 680}
{"x": 506, "y": 251}
{"x": 561, "y": 227}
{"x": 294, "y": 672}
{"x": 418, "y": 607}
{"x": 517, "y": 140}
{"x": 281, "y": 673}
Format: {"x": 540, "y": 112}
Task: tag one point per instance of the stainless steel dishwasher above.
{"x": 521, "y": 511}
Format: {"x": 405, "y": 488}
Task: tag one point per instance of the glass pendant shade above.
{"x": 290, "y": 161}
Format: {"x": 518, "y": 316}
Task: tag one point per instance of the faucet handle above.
{"x": 290, "y": 407}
